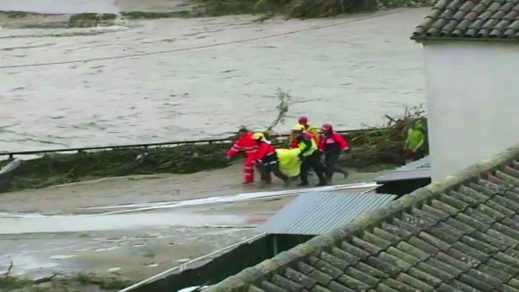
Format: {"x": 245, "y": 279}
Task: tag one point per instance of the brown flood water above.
{"x": 351, "y": 73}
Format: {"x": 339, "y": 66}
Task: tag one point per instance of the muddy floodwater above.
{"x": 213, "y": 75}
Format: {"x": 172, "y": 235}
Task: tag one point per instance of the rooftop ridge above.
{"x": 366, "y": 222}
{"x": 490, "y": 20}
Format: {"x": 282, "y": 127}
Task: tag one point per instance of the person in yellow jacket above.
{"x": 289, "y": 162}
{"x": 313, "y": 131}
{"x": 309, "y": 155}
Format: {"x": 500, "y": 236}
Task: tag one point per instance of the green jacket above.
{"x": 415, "y": 139}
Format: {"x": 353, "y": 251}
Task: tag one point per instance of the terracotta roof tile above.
{"x": 514, "y": 283}
{"x": 475, "y": 282}
{"x": 253, "y": 288}
{"x": 399, "y": 286}
{"x": 269, "y": 287}
{"x": 414, "y": 282}
{"x": 469, "y": 19}
{"x": 460, "y": 286}
{"x": 335, "y": 286}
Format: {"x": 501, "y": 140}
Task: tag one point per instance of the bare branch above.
{"x": 46, "y": 279}
{"x": 390, "y": 118}
{"x": 282, "y": 107}
{"x": 6, "y": 274}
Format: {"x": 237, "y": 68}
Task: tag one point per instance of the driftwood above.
{"x": 36, "y": 281}
{"x": 6, "y": 274}
{"x": 45, "y": 279}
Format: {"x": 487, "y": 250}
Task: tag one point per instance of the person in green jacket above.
{"x": 416, "y": 141}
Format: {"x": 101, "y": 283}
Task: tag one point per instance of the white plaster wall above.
{"x": 472, "y": 102}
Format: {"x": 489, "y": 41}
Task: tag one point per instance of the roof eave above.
{"x": 423, "y": 39}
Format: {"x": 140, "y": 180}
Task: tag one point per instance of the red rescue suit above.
{"x": 248, "y": 145}
{"x": 268, "y": 158}
{"x": 333, "y": 142}
{"x": 266, "y": 153}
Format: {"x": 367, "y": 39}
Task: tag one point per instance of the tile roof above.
{"x": 458, "y": 234}
{"x": 471, "y": 19}
{"x": 321, "y": 212}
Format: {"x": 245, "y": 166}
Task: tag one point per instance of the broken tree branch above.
{"x": 6, "y": 274}
{"x": 46, "y": 279}
{"x": 284, "y": 102}
{"x": 390, "y": 118}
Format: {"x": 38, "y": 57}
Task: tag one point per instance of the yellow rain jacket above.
{"x": 289, "y": 162}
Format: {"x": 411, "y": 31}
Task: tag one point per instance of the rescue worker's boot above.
{"x": 322, "y": 183}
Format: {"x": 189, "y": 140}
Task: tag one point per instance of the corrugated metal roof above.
{"x": 414, "y": 170}
{"x": 321, "y": 212}
{"x": 415, "y": 165}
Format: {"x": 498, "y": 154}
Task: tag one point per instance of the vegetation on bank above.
{"x": 60, "y": 282}
{"x": 202, "y": 8}
{"x": 299, "y": 8}
{"x": 54, "y": 169}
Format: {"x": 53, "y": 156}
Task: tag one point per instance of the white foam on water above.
{"x": 62, "y": 256}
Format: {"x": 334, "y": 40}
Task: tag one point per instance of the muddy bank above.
{"x": 66, "y": 168}
{"x": 24, "y": 20}
{"x": 60, "y": 282}
{"x": 372, "y": 149}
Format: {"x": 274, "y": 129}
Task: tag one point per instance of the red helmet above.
{"x": 327, "y": 127}
{"x": 303, "y": 120}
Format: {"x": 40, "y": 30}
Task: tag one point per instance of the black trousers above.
{"x": 312, "y": 161}
{"x": 272, "y": 167}
{"x": 330, "y": 161}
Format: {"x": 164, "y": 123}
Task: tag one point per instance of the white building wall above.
{"x": 472, "y": 101}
